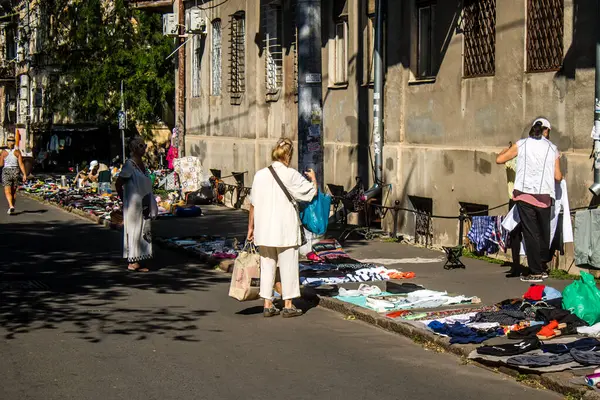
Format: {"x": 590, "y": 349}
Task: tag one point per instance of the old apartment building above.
{"x": 462, "y": 80}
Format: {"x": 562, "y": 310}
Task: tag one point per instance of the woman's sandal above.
{"x": 138, "y": 269}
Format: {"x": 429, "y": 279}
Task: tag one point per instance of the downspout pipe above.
{"x": 378, "y": 93}
{"x": 595, "y": 188}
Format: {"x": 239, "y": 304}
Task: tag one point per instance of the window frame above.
{"x": 338, "y": 63}
{"x": 274, "y": 60}
{"x": 529, "y": 40}
{"x": 237, "y": 84}
{"x": 466, "y": 31}
{"x": 196, "y": 71}
{"x": 430, "y": 70}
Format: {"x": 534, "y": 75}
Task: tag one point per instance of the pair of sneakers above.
{"x": 285, "y": 313}
{"x": 534, "y": 278}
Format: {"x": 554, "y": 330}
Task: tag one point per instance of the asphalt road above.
{"x": 74, "y": 324}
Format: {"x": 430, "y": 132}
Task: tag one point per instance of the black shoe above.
{"x": 291, "y": 312}
{"x": 513, "y": 274}
{"x": 271, "y": 312}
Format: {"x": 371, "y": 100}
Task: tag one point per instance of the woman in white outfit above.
{"x": 139, "y": 206}
{"x": 275, "y": 228}
{"x": 12, "y": 161}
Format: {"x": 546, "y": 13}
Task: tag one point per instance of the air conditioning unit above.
{"x": 198, "y": 24}
{"x": 170, "y": 26}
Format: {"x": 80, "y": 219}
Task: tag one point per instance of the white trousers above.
{"x": 286, "y": 258}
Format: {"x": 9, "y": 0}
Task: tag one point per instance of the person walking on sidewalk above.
{"x": 538, "y": 167}
{"x": 12, "y": 161}
{"x": 275, "y": 228}
{"x": 139, "y": 206}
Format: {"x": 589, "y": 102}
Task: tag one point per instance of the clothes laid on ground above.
{"x": 560, "y": 315}
{"x": 211, "y": 246}
{"x": 539, "y": 360}
{"x": 461, "y": 334}
{"x": 587, "y": 238}
{"x": 511, "y": 349}
{"x": 503, "y": 317}
{"x": 586, "y": 344}
{"x": 535, "y": 292}
{"x": 593, "y": 330}
{"x": 585, "y": 357}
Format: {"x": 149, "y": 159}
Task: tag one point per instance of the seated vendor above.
{"x": 95, "y": 169}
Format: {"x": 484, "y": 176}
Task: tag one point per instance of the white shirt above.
{"x": 535, "y": 166}
{"x": 275, "y": 219}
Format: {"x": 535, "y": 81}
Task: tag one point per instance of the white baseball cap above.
{"x": 544, "y": 121}
{"x": 93, "y": 164}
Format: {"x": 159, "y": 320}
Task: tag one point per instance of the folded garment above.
{"x": 585, "y": 344}
{"x": 525, "y": 333}
{"x": 539, "y": 360}
{"x": 585, "y": 357}
{"x": 560, "y": 315}
{"x": 535, "y": 292}
{"x": 510, "y": 349}
{"x": 503, "y": 317}
{"x": 593, "y": 330}
{"x": 461, "y": 334}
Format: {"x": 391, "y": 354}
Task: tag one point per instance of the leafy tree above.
{"x": 93, "y": 45}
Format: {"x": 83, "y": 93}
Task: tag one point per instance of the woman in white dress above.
{"x": 139, "y": 206}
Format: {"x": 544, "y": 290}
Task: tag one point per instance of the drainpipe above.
{"x": 595, "y": 188}
{"x": 180, "y": 103}
{"x": 378, "y": 94}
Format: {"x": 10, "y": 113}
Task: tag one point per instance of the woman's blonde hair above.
{"x": 283, "y": 151}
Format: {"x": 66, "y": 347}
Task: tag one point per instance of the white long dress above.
{"x": 137, "y": 237}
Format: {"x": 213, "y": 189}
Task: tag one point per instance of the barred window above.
{"x": 216, "y": 58}
{"x": 338, "y": 44}
{"x": 237, "y": 55}
{"x": 545, "y": 32}
{"x": 479, "y": 27}
{"x": 272, "y": 45}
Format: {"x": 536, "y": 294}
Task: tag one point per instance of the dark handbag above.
{"x": 294, "y": 203}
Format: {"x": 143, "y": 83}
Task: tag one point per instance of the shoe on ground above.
{"x": 513, "y": 274}
{"x": 532, "y": 278}
{"x": 271, "y": 312}
{"x": 544, "y": 275}
{"x": 291, "y": 312}
{"x": 11, "y": 211}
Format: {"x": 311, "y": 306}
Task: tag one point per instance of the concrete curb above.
{"x": 557, "y": 382}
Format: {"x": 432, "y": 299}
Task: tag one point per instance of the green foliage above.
{"x": 94, "y": 45}
{"x": 469, "y": 254}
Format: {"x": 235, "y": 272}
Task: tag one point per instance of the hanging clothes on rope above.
{"x": 486, "y": 234}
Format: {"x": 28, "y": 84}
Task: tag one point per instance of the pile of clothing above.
{"x": 329, "y": 264}
{"x": 84, "y": 199}
{"x": 215, "y": 247}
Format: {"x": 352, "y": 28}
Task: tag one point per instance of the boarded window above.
{"x": 479, "y": 27}
{"x": 272, "y": 15}
{"x": 237, "y": 57}
{"x": 216, "y": 58}
{"x": 545, "y": 32}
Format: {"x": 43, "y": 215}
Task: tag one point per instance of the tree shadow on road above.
{"x": 70, "y": 277}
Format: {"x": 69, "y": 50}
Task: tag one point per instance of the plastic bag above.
{"x": 582, "y": 298}
{"x": 245, "y": 281}
{"x": 310, "y": 239}
{"x": 315, "y": 215}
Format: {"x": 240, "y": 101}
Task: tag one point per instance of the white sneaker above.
{"x": 11, "y": 211}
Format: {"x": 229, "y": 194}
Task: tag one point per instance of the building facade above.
{"x": 462, "y": 80}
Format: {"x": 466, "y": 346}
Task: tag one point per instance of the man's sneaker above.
{"x": 544, "y": 275}
{"x": 11, "y": 211}
{"x": 291, "y": 312}
{"x": 532, "y": 278}
{"x": 271, "y": 312}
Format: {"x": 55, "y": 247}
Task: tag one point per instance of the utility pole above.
{"x": 310, "y": 106}
{"x": 122, "y": 122}
{"x": 378, "y": 94}
{"x": 595, "y": 188}
{"x": 180, "y": 107}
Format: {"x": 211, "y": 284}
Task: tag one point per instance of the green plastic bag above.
{"x": 582, "y": 298}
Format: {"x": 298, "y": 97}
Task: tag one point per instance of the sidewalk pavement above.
{"x": 479, "y": 278}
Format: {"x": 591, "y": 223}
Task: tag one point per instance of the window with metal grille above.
{"x": 216, "y": 58}
{"x": 272, "y": 15}
{"x": 479, "y": 28}
{"x": 425, "y": 39}
{"x": 196, "y": 62}
{"x": 237, "y": 57}
{"x": 545, "y": 31}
